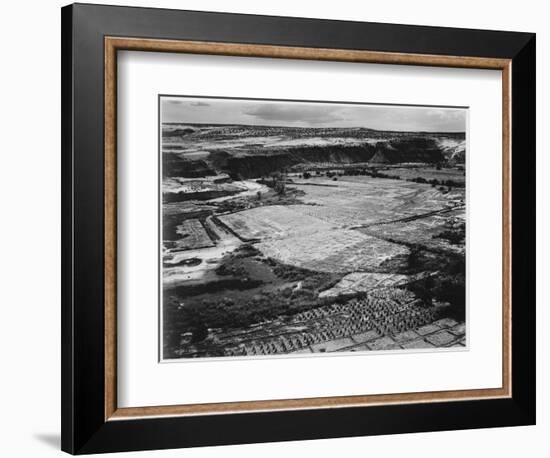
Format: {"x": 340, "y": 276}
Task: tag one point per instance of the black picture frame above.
{"x": 84, "y": 428}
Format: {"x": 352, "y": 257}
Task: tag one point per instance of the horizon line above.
{"x": 302, "y": 127}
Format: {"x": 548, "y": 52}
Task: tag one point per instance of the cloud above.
{"x": 182, "y": 102}
{"x": 311, "y": 114}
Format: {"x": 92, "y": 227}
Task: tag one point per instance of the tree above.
{"x": 200, "y": 332}
{"x": 280, "y": 188}
{"x": 423, "y": 289}
{"x": 278, "y": 181}
{"x": 414, "y": 263}
{"x": 235, "y": 176}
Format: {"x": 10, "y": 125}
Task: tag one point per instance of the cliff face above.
{"x": 425, "y": 150}
{"x": 176, "y": 166}
{"x": 454, "y": 151}
{"x": 257, "y": 162}
{"x": 392, "y": 152}
{"x": 253, "y": 166}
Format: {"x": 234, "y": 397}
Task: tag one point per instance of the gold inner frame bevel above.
{"x": 112, "y": 45}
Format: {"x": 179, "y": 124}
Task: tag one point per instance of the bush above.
{"x": 455, "y": 237}
{"x": 423, "y": 289}
{"x": 420, "y": 180}
{"x": 200, "y": 332}
{"x": 447, "y": 286}
{"x": 452, "y": 289}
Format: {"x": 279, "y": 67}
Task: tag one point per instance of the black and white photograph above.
{"x": 297, "y": 227}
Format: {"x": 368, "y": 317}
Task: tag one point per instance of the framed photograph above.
{"x": 281, "y": 228}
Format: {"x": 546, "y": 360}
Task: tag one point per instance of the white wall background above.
{"x": 30, "y": 226}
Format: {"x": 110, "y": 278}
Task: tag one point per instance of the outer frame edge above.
{"x": 523, "y": 140}
{"x": 98, "y": 441}
{"x": 67, "y": 382}
{"x": 348, "y": 422}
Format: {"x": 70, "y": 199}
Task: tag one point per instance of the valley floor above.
{"x": 352, "y": 264}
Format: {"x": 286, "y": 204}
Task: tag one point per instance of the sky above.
{"x": 311, "y": 114}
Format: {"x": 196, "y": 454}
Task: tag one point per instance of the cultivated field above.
{"x": 192, "y": 236}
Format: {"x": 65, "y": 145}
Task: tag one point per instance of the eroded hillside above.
{"x": 255, "y": 151}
